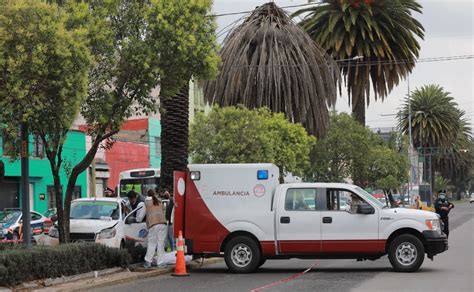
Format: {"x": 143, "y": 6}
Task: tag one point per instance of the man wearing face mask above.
{"x": 442, "y": 207}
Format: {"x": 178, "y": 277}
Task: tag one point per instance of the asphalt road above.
{"x": 450, "y": 271}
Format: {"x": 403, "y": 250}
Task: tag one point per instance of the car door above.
{"x": 298, "y": 222}
{"x": 345, "y": 231}
{"x": 134, "y": 232}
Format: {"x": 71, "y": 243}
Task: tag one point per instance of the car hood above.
{"x": 90, "y": 226}
{"x": 409, "y": 213}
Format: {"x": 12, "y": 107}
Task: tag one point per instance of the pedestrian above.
{"x": 443, "y": 207}
{"x": 156, "y": 224}
{"x": 354, "y": 204}
{"x": 169, "y": 218}
{"x": 418, "y": 203}
{"x": 109, "y": 193}
{"x": 136, "y": 202}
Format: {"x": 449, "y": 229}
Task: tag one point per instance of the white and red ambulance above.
{"x": 243, "y": 213}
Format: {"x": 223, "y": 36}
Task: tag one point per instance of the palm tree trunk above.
{"x": 358, "y": 110}
{"x": 174, "y": 135}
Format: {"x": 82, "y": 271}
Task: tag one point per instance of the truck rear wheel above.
{"x": 242, "y": 255}
{"x": 406, "y": 253}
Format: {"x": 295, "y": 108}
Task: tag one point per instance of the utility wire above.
{"x": 250, "y": 11}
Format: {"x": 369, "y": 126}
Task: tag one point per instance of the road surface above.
{"x": 450, "y": 271}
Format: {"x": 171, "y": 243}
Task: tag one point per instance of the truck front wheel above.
{"x": 242, "y": 255}
{"x": 406, "y": 253}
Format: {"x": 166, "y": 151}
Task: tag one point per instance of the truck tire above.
{"x": 262, "y": 261}
{"x": 406, "y": 253}
{"x": 242, "y": 255}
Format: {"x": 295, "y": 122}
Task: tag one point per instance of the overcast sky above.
{"x": 449, "y": 32}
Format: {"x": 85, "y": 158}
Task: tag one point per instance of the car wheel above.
{"x": 242, "y": 255}
{"x": 262, "y": 262}
{"x": 406, "y": 253}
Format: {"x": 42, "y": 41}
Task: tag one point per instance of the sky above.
{"x": 449, "y": 31}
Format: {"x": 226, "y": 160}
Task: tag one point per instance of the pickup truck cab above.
{"x": 241, "y": 212}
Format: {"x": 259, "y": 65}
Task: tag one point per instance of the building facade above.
{"x": 41, "y": 180}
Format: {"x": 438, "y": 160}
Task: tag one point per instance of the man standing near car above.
{"x": 443, "y": 207}
{"x": 136, "y": 202}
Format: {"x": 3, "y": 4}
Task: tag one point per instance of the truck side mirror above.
{"x": 364, "y": 208}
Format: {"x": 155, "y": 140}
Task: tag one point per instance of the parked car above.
{"x": 471, "y": 200}
{"x": 102, "y": 220}
{"x": 10, "y": 225}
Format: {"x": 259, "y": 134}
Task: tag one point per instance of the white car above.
{"x": 10, "y": 225}
{"x": 104, "y": 221}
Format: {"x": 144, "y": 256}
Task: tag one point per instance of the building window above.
{"x": 38, "y": 147}
{"x": 157, "y": 147}
{"x": 52, "y": 197}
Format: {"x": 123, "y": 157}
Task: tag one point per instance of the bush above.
{"x": 20, "y": 264}
{"x": 137, "y": 252}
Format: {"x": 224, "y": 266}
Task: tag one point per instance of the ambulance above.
{"x": 242, "y": 213}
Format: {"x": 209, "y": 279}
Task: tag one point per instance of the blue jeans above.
{"x": 170, "y": 237}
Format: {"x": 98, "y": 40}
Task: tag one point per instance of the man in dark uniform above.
{"x": 442, "y": 207}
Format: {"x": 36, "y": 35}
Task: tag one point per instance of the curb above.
{"x": 132, "y": 276}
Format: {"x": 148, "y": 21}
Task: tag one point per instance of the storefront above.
{"x": 41, "y": 180}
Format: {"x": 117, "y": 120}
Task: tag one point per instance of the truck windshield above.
{"x": 94, "y": 210}
{"x": 369, "y": 197}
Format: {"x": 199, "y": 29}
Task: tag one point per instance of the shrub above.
{"x": 137, "y": 252}
{"x": 39, "y": 262}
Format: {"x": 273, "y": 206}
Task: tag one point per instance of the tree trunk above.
{"x": 358, "y": 110}
{"x": 174, "y": 135}
{"x": 63, "y": 238}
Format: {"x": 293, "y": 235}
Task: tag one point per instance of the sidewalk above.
{"x": 122, "y": 277}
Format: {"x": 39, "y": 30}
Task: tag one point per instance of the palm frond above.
{"x": 270, "y": 61}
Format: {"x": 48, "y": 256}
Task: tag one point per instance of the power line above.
{"x": 250, "y": 11}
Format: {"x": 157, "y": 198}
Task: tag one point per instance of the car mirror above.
{"x": 364, "y": 208}
{"x": 54, "y": 218}
{"x": 130, "y": 220}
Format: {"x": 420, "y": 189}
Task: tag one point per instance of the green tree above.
{"x": 438, "y": 124}
{"x": 384, "y": 32}
{"x": 184, "y": 37}
{"x": 269, "y": 61}
{"x": 387, "y": 170}
{"x": 343, "y": 153}
{"x": 44, "y": 64}
{"x": 240, "y": 135}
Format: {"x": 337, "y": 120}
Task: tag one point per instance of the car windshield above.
{"x": 11, "y": 218}
{"x": 370, "y": 198}
{"x": 94, "y": 210}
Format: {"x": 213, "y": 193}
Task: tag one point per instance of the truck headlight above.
{"x": 53, "y": 232}
{"x": 107, "y": 233}
{"x": 433, "y": 224}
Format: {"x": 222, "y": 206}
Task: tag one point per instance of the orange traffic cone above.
{"x": 180, "y": 269}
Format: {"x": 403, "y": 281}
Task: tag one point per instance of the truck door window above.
{"x": 341, "y": 200}
{"x": 300, "y": 200}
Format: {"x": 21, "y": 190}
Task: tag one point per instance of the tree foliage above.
{"x": 384, "y": 32}
{"x": 269, "y": 61}
{"x": 240, "y": 135}
{"x": 352, "y": 152}
{"x": 437, "y": 121}
{"x": 184, "y": 37}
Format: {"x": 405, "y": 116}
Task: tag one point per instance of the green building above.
{"x": 41, "y": 180}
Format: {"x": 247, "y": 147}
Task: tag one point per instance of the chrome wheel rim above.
{"x": 241, "y": 255}
{"x": 406, "y": 253}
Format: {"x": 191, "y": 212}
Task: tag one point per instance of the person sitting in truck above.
{"x": 354, "y": 204}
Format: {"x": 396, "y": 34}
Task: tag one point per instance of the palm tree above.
{"x": 436, "y": 124}
{"x": 270, "y": 61}
{"x": 383, "y": 32}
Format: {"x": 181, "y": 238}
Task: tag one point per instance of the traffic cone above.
{"x": 180, "y": 269}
